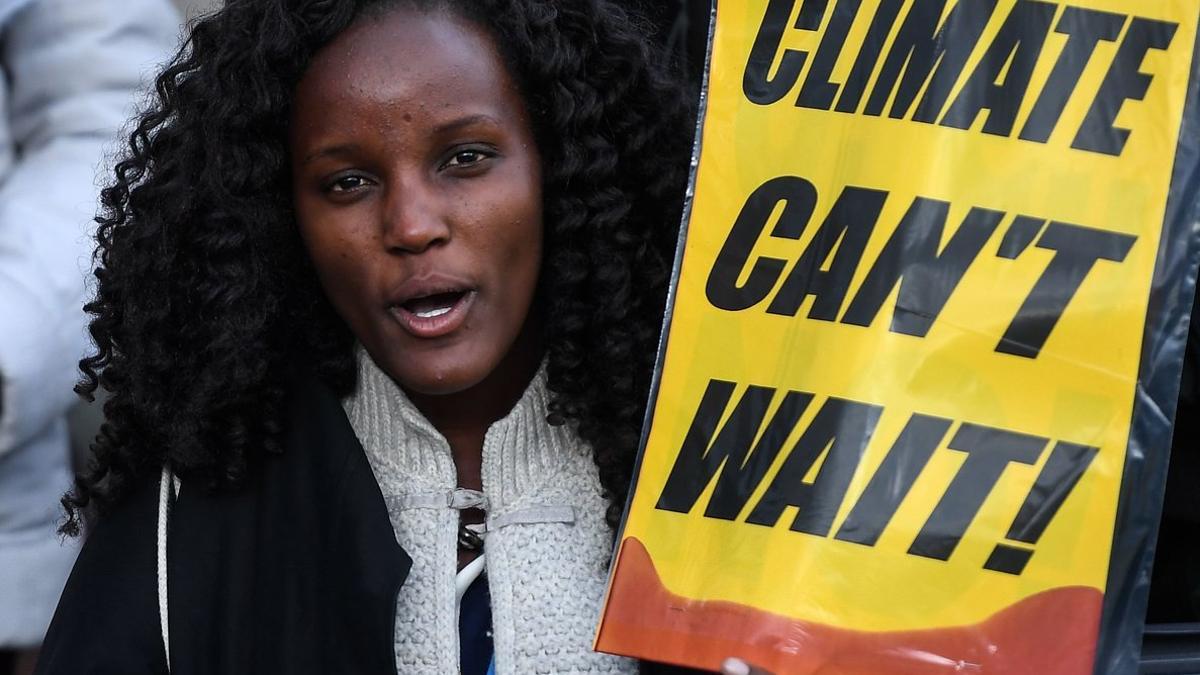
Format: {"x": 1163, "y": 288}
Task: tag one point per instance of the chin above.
{"x": 434, "y": 375}
{"x": 436, "y": 384}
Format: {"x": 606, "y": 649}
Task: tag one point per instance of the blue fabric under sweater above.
{"x": 475, "y": 629}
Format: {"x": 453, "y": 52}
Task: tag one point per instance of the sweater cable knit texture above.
{"x": 546, "y": 579}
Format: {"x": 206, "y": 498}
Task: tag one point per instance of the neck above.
{"x": 464, "y": 417}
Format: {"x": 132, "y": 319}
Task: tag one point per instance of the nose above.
{"x": 414, "y": 218}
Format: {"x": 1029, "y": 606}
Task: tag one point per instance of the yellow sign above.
{"x": 895, "y": 397}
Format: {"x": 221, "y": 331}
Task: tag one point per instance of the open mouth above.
{"x": 432, "y": 306}
{"x": 435, "y": 314}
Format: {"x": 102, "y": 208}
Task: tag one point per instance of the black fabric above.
{"x": 297, "y": 574}
{"x": 1175, "y": 581}
{"x": 107, "y": 618}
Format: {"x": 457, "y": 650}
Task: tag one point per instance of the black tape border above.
{"x": 1143, "y": 484}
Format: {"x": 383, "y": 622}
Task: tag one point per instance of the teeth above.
{"x": 430, "y": 313}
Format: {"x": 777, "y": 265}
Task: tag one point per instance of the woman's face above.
{"x": 417, "y": 187}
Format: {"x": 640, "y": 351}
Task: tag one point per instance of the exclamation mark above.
{"x": 1063, "y": 470}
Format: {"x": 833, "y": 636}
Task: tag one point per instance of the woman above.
{"x": 379, "y": 281}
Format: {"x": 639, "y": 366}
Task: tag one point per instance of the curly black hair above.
{"x": 206, "y": 305}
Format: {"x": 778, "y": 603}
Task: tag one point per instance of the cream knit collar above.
{"x": 519, "y": 451}
{"x": 547, "y": 548}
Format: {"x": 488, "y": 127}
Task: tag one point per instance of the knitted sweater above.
{"x": 546, "y": 579}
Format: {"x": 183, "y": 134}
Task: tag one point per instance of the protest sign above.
{"x": 923, "y": 343}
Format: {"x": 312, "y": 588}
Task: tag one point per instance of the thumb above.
{"x": 733, "y": 666}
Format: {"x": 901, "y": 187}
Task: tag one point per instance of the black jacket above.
{"x": 296, "y": 575}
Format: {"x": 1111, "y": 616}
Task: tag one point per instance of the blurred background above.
{"x": 190, "y": 8}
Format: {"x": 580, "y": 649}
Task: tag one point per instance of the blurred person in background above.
{"x": 69, "y": 70}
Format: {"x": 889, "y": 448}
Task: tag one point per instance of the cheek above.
{"x": 506, "y": 234}
{"x": 334, "y": 257}
{"x": 322, "y": 250}
{"x": 522, "y": 252}
{"x": 525, "y": 232}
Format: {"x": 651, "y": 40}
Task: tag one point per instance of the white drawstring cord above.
{"x": 165, "y": 487}
{"x": 467, "y": 576}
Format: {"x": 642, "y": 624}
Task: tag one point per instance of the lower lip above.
{"x": 427, "y": 327}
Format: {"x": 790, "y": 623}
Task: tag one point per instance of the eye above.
{"x": 347, "y": 183}
{"x": 467, "y": 157}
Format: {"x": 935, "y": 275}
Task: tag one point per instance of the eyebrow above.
{"x": 446, "y": 127}
{"x": 462, "y": 122}
{"x": 340, "y": 149}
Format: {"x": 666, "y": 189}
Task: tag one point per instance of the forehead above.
{"x": 409, "y": 62}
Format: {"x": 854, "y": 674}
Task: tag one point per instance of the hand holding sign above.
{"x": 732, "y": 666}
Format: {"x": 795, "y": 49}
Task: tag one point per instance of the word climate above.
{"x": 927, "y": 59}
